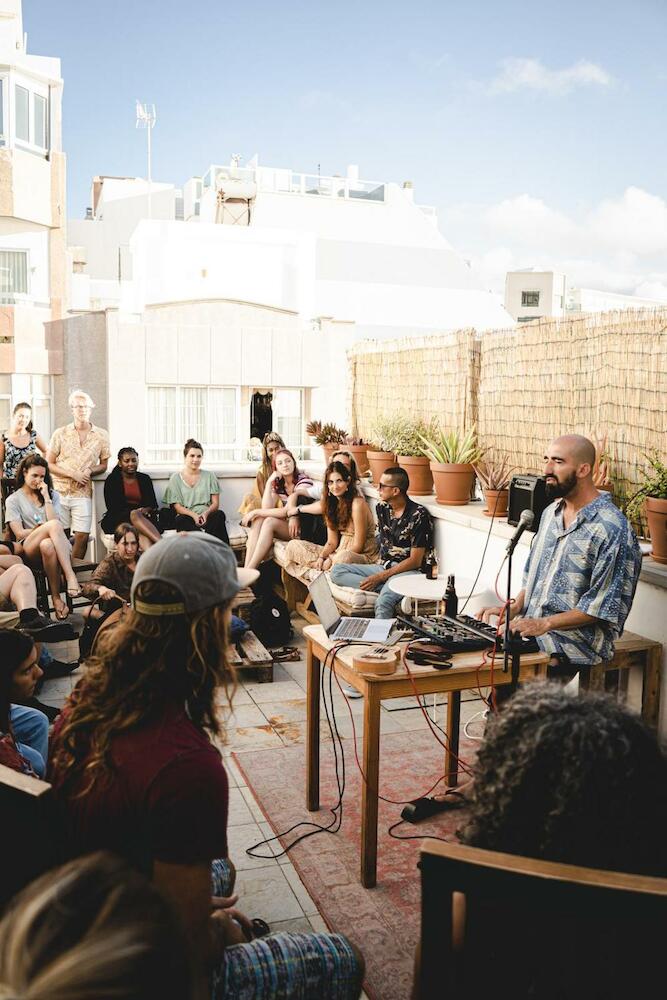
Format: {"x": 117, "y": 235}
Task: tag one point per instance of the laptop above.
{"x": 366, "y": 630}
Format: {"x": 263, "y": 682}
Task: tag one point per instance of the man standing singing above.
{"x": 582, "y": 570}
{"x": 76, "y": 453}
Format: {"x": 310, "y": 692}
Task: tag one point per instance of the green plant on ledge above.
{"x": 452, "y": 447}
{"x": 654, "y": 486}
{"x": 325, "y": 433}
{"x": 401, "y": 434}
{"x": 494, "y": 471}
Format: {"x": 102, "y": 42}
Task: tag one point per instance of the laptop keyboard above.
{"x": 352, "y": 629}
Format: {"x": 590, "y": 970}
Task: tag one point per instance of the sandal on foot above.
{"x": 287, "y": 653}
{"x": 260, "y": 928}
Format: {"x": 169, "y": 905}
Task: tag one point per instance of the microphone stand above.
{"x": 509, "y": 647}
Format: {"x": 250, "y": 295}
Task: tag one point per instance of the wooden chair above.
{"x": 32, "y": 831}
{"x": 537, "y": 929}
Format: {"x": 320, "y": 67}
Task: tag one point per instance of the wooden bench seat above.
{"x": 630, "y": 651}
{"x": 249, "y": 653}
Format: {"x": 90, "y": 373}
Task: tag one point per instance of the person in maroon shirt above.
{"x": 135, "y": 769}
{"x": 130, "y": 496}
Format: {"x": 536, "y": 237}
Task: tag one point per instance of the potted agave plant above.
{"x": 651, "y": 499}
{"x": 381, "y": 454}
{"x": 494, "y": 473}
{"x": 412, "y": 456}
{"x": 453, "y": 455}
{"x": 329, "y": 436}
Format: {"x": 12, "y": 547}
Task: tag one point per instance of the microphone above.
{"x": 525, "y": 521}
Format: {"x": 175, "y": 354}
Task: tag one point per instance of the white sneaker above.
{"x": 350, "y": 692}
{"x": 406, "y": 605}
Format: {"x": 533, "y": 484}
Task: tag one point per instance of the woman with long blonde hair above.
{"x": 136, "y": 769}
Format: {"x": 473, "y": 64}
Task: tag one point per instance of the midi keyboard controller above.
{"x": 464, "y": 634}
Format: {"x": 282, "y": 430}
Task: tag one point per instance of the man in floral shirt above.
{"x": 405, "y": 532}
{"x": 583, "y": 567}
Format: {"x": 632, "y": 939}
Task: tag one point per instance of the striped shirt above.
{"x": 592, "y": 566}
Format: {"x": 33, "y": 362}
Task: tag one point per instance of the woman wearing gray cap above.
{"x": 134, "y": 765}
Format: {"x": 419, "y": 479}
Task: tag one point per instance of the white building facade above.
{"x": 533, "y": 293}
{"x": 251, "y": 279}
{"x": 32, "y": 220}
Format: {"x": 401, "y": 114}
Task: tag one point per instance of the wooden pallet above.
{"x": 250, "y": 653}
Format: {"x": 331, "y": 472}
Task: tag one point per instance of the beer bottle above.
{"x": 451, "y": 600}
{"x": 431, "y": 565}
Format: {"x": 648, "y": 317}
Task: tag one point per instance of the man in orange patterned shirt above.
{"x": 76, "y": 453}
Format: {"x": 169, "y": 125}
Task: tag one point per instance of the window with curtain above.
{"x": 13, "y": 274}
{"x": 288, "y": 417}
{"x": 39, "y": 120}
{"x": 22, "y": 102}
{"x": 205, "y": 413}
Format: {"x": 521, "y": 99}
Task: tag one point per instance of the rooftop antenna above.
{"x": 146, "y": 118}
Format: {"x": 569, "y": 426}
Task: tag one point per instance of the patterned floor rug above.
{"x": 384, "y": 921}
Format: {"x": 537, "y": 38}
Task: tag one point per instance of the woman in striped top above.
{"x": 270, "y": 521}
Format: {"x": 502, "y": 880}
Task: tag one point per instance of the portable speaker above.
{"x": 527, "y": 493}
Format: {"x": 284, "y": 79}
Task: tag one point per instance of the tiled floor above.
{"x": 274, "y": 715}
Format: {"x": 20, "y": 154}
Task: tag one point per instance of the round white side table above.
{"x": 417, "y": 587}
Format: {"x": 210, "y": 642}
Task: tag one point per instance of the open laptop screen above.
{"x": 325, "y": 605}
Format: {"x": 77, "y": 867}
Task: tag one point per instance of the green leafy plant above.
{"x": 409, "y": 436}
{"x": 452, "y": 447}
{"x": 326, "y": 433}
{"x": 385, "y": 433}
{"x": 494, "y": 471}
{"x": 654, "y": 485}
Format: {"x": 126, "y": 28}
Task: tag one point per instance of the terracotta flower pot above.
{"x": 453, "y": 483}
{"x": 378, "y": 461}
{"x": 496, "y": 502}
{"x": 419, "y": 472}
{"x": 360, "y": 454}
{"x": 329, "y": 450}
{"x": 656, "y": 515}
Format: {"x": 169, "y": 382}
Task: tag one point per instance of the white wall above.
{"x": 550, "y": 285}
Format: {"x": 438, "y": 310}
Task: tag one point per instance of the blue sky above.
{"x": 536, "y": 130}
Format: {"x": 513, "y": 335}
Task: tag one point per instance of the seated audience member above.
{"x": 578, "y": 780}
{"x": 130, "y": 496}
{"x": 405, "y": 532}
{"x": 17, "y": 588}
{"x": 194, "y": 494}
{"x": 76, "y": 453}
{"x": 305, "y": 511}
{"x": 112, "y": 579}
{"x": 350, "y": 528}
{"x": 582, "y": 569}
{"x": 33, "y": 513}
{"x": 22, "y": 729}
{"x": 137, "y": 771}
{"x": 270, "y": 521}
{"x": 93, "y": 929}
{"x": 20, "y": 439}
{"x": 271, "y": 443}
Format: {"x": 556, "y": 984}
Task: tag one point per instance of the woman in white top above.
{"x": 32, "y": 513}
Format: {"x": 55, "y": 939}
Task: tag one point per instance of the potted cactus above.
{"x": 329, "y": 436}
{"x": 453, "y": 455}
{"x": 494, "y": 473}
{"x": 651, "y": 500}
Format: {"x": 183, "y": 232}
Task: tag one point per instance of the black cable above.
{"x": 486, "y": 545}
{"x": 416, "y": 836}
{"x": 336, "y": 810}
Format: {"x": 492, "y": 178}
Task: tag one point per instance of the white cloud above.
{"x": 531, "y": 74}
{"x": 618, "y": 245}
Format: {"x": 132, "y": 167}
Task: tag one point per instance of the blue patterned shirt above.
{"x": 592, "y": 566}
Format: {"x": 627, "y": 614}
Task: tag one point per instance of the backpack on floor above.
{"x": 268, "y": 617}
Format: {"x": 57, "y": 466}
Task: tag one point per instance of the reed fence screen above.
{"x": 595, "y": 374}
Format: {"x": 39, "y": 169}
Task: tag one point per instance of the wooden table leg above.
{"x": 651, "y": 686}
{"x": 312, "y": 730}
{"x": 452, "y": 729}
{"x": 370, "y": 787}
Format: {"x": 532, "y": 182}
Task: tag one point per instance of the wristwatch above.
{"x": 295, "y": 510}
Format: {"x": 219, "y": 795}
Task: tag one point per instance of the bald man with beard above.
{"x": 581, "y": 574}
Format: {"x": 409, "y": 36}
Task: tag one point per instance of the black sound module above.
{"x": 464, "y": 634}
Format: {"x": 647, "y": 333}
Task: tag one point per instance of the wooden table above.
{"x": 462, "y": 676}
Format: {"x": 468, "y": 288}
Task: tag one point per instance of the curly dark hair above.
{"x": 338, "y": 510}
{"x": 140, "y": 665}
{"x": 577, "y": 780}
{"x": 27, "y": 463}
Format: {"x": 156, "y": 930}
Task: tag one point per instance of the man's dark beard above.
{"x": 554, "y": 490}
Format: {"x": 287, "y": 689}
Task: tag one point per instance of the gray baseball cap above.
{"x": 201, "y": 568}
